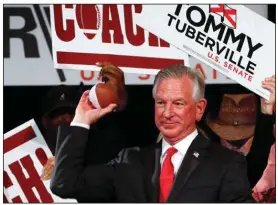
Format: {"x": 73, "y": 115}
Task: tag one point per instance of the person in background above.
{"x": 59, "y": 106}
{"x": 240, "y": 126}
{"x": 235, "y": 121}
{"x": 58, "y": 109}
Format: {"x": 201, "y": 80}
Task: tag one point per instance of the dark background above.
{"x": 22, "y": 103}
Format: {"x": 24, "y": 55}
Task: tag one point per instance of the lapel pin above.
{"x": 196, "y": 154}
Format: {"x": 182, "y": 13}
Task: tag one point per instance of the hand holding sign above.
{"x": 267, "y": 105}
{"x": 111, "y": 74}
{"x": 48, "y": 168}
{"x": 114, "y": 76}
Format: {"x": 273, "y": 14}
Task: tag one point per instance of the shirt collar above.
{"x": 182, "y": 146}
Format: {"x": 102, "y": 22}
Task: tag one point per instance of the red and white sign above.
{"x": 85, "y": 34}
{"x": 25, "y": 154}
{"x": 226, "y": 38}
{"x": 28, "y": 59}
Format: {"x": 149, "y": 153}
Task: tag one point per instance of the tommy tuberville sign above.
{"x": 229, "y": 38}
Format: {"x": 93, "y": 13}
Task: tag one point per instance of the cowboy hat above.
{"x": 236, "y": 117}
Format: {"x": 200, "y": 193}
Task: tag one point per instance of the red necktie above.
{"x": 167, "y": 175}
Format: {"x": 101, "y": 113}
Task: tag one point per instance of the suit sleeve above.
{"x": 235, "y": 185}
{"x": 71, "y": 178}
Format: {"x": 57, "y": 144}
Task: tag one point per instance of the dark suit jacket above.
{"x": 215, "y": 175}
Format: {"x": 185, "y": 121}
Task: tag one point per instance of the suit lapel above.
{"x": 156, "y": 172}
{"x": 151, "y": 162}
{"x": 196, "y": 152}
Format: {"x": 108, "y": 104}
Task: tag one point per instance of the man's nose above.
{"x": 168, "y": 111}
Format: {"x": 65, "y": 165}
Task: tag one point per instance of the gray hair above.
{"x": 179, "y": 71}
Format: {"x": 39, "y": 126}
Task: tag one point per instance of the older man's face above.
{"x": 175, "y": 110}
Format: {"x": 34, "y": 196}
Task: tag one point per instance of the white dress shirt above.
{"x": 80, "y": 125}
{"x": 181, "y": 147}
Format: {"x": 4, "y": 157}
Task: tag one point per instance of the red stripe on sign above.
{"x": 17, "y": 200}
{"x": 5, "y": 200}
{"x": 7, "y": 180}
{"x": 230, "y": 20}
{"x": 41, "y": 155}
{"x": 18, "y": 139}
{"x": 219, "y": 9}
{"x": 228, "y": 13}
{"x": 119, "y": 60}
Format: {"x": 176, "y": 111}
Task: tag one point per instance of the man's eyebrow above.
{"x": 179, "y": 99}
{"x": 174, "y": 100}
{"x": 157, "y": 98}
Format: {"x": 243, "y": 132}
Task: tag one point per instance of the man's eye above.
{"x": 159, "y": 103}
{"x": 179, "y": 104}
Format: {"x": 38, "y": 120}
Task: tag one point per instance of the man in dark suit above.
{"x": 184, "y": 167}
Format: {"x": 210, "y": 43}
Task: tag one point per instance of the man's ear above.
{"x": 200, "y": 108}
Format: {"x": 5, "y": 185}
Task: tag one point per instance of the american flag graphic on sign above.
{"x": 228, "y": 14}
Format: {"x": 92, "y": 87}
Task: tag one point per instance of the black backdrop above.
{"x": 22, "y": 103}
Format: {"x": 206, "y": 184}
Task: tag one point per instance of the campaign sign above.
{"x": 229, "y": 38}
{"x": 27, "y": 51}
{"x": 25, "y": 154}
{"x": 85, "y": 34}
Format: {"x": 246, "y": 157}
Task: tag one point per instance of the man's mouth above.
{"x": 168, "y": 124}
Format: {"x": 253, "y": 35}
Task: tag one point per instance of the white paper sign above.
{"x": 85, "y": 34}
{"x": 230, "y": 38}
{"x": 25, "y": 153}
{"x": 210, "y": 75}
